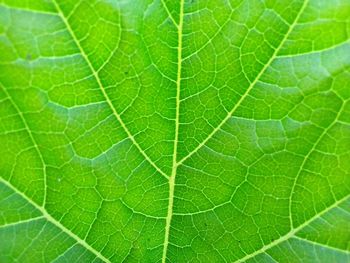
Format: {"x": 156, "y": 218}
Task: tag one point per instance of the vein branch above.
{"x": 251, "y": 86}
{"x": 58, "y": 224}
{"x": 22, "y": 222}
{"x": 306, "y": 158}
{"x": 294, "y": 231}
{"x": 169, "y": 13}
{"x": 33, "y": 140}
{"x": 106, "y": 96}
{"x": 314, "y": 243}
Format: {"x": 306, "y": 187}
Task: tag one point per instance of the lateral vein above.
{"x": 32, "y": 138}
{"x": 251, "y": 86}
{"x": 58, "y": 224}
{"x": 169, "y": 14}
{"x": 306, "y": 158}
{"x": 106, "y": 96}
{"x": 314, "y": 243}
{"x": 294, "y": 231}
{"x": 22, "y": 222}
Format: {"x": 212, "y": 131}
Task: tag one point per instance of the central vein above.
{"x": 174, "y": 165}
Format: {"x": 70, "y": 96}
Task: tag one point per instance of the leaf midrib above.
{"x": 176, "y": 137}
{"x": 229, "y": 115}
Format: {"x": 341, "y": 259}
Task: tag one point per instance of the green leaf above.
{"x": 175, "y": 131}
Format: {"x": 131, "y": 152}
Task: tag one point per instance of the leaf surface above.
{"x": 175, "y": 131}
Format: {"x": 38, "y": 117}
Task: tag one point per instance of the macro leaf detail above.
{"x": 175, "y": 131}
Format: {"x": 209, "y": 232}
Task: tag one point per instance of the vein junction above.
{"x": 176, "y": 139}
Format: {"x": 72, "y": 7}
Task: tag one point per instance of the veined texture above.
{"x": 175, "y": 131}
